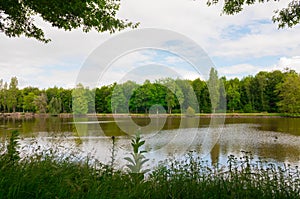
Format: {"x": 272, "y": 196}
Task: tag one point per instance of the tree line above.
{"x": 273, "y": 92}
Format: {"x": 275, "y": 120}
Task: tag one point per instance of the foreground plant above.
{"x": 137, "y": 159}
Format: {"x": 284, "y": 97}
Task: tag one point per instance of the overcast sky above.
{"x": 238, "y": 45}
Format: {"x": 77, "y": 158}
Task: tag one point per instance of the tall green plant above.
{"x": 12, "y": 155}
{"x": 137, "y": 159}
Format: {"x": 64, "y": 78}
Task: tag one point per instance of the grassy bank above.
{"x": 48, "y": 176}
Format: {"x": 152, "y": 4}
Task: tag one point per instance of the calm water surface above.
{"x": 275, "y": 139}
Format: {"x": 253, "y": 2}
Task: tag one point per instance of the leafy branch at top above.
{"x": 18, "y": 17}
{"x": 286, "y": 17}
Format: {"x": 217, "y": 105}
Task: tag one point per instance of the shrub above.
{"x": 190, "y": 112}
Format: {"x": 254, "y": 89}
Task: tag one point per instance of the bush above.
{"x": 190, "y": 112}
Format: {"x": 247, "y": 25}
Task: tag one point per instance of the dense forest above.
{"x": 272, "y": 92}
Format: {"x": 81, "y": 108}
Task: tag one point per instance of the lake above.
{"x": 274, "y": 139}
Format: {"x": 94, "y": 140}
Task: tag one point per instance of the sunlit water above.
{"x": 274, "y": 139}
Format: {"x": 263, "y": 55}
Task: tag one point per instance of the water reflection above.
{"x": 276, "y": 139}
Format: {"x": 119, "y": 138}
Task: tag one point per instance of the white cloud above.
{"x": 238, "y": 69}
{"x": 242, "y": 70}
{"x": 249, "y": 34}
{"x": 292, "y": 62}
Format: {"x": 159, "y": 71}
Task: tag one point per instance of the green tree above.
{"x": 128, "y": 89}
{"x": 103, "y": 99}
{"x": 4, "y": 97}
{"x": 202, "y": 95}
{"x": 233, "y": 94}
{"x": 54, "y": 106}
{"x": 290, "y": 94}
{"x": 214, "y": 88}
{"x": 1, "y": 95}
{"x": 146, "y": 96}
{"x": 118, "y": 100}
{"x": 274, "y": 78}
{"x": 12, "y": 94}
{"x": 90, "y": 96}
{"x": 28, "y": 103}
{"x": 190, "y": 99}
{"x": 142, "y": 98}
{"x": 17, "y": 17}
{"x": 174, "y": 95}
{"x": 258, "y": 89}
{"x": 222, "y": 106}
{"x": 66, "y": 100}
{"x": 53, "y": 92}
{"x": 289, "y": 16}
{"x": 40, "y": 103}
{"x": 247, "y": 99}
{"x": 80, "y": 101}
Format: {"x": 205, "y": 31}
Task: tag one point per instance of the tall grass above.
{"x": 46, "y": 176}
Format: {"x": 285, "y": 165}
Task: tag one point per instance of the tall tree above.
{"x": 54, "y": 106}
{"x": 128, "y": 89}
{"x": 18, "y": 17}
{"x": 118, "y": 100}
{"x": 5, "y": 96}
{"x": 233, "y": 94}
{"x": 12, "y": 94}
{"x": 290, "y": 94}
{"x": 41, "y": 103}
{"x": 214, "y": 88}
{"x": 28, "y": 102}
{"x": 174, "y": 95}
{"x": 247, "y": 99}
{"x": 190, "y": 99}
{"x": 259, "y": 85}
{"x": 274, "y": 78}
{"x": 202, "y": 95}
{"x": 66, "y": 100}
{"x": 80, "y": 100}
{"x": 1, "y": 94}
{"x": 103, "y": 99}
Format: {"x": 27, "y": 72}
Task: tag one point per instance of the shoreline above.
{"x": 19, "y": 115}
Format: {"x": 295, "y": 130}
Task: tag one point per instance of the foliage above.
{"x": 12, "y": 154}
{"x": 55, "y": 106}
{"x": 80, "y": 101}
{"x": 18, "y": 17}
{"x": 213, "y": 84}
{"x": 290, "y": 94}
{"x": 12, "y": 94}
{"x": 233, "y": 94}
{"x": 174, "y": 95}
{"x": 137, "y": 160}
{"x": 118, "y": 100}
{"x": 41, "y": 103}
{"x": 289, "y": 16}
{"x": 272, "y": 92}
{"x": 28, "y": 104}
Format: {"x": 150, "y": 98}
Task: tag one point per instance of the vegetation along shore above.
{"x": 265, "y": 93}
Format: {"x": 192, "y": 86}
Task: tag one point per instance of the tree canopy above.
{"x": 17, "y": 17}
{"x": 286, "y": 17}
{"x": 273, "y": 92}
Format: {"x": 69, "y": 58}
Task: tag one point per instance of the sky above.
{"x": 238, "y": 45}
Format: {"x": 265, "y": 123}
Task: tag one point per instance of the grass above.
{"x": 49, "y": 176}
